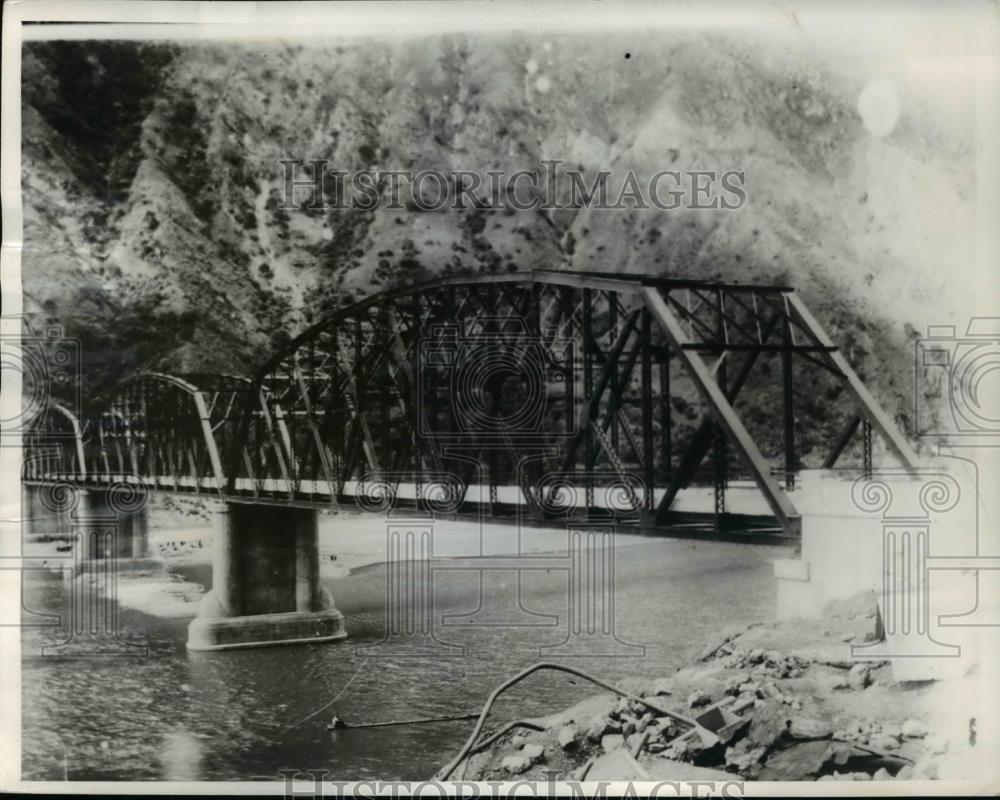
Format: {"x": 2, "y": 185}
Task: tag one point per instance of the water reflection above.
{"x": 181, "y": 756}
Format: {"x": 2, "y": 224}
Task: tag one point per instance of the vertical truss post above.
{"x": 150, "y": 445}
{"x": 788, "y": 406}
{"x": 569, "y": 377}
{"x": 535, "y": 466}
{"x": 359, "y": 403}
{"x": 721, "y": 454}
{"x": 647, "y": 409}
{"x": 131, "y": 442}
{"x": 588, "y": 388}
{"x": 721, "y": 474}
{"x": 81, "y": 457}
{"x": 613, "y": 327}
{"x": 666, "y": 419}
{"x": 494, "y": 496}
{"x": 427, "y": 391}
{"x": 866, "y": 432}
{"x": 420, "y": 416}
{"x": 330, "y": 423}
{"x": 384, "y": 376}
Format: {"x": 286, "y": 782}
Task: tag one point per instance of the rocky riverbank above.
{"x": 784, "y": 701}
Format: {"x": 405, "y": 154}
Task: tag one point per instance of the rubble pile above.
{"x": 765, "y": 714}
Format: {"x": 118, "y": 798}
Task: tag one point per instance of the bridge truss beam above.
{"x": 535, "y": 390}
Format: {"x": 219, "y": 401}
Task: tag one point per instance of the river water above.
{"x": 244, "y": 715}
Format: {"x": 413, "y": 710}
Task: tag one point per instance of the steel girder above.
{"x": 538, "y": 391}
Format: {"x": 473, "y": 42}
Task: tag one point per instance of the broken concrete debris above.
{"x": 600, "y": 726}
{"x": 913, "y": 729}
{"x": 569, "y": 737}
{"x": 698, "y": 698}
{"x": 534, "y": 752}
{"x": 771, "y": 714}
{"x": 860, "y": 676}
{"x": 805, "y": 728}
{"x": 515, "y": 765}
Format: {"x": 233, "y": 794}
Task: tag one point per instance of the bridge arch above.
{"x": 53, "y": 444}
{"x": 161, "y": 430}
{"x": 507, "y": 380}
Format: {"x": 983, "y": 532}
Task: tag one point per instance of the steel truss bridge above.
{"x": 540, "y": 394}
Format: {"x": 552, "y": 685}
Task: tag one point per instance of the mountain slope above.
{"x": 152, "y": 186}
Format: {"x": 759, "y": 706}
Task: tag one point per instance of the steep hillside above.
{"x": 152, "y": 181}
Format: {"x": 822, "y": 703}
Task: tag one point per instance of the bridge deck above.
{"x": 692, "y": 511}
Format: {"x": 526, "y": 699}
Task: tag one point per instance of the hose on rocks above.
{"x": 470, "y": 744}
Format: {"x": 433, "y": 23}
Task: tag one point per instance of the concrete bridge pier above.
{"x": 265, "y": 581}
{"x": 121, "y": 532}
{"x": 45, "y": 513}
{"x": 139, "y": 523}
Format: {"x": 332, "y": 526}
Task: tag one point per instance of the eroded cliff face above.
{"x": 152, "y": 186}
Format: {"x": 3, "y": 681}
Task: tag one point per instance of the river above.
{"x": 244, "y": 715}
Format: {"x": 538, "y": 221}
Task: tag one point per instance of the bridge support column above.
{"x": 140, "y": 534}
{"x": 265, "y": 582}
{"x": 129, "y": 544}
{"x": 43, "y": 518}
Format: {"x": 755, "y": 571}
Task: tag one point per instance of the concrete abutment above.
{"x": 903, "y": 537}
